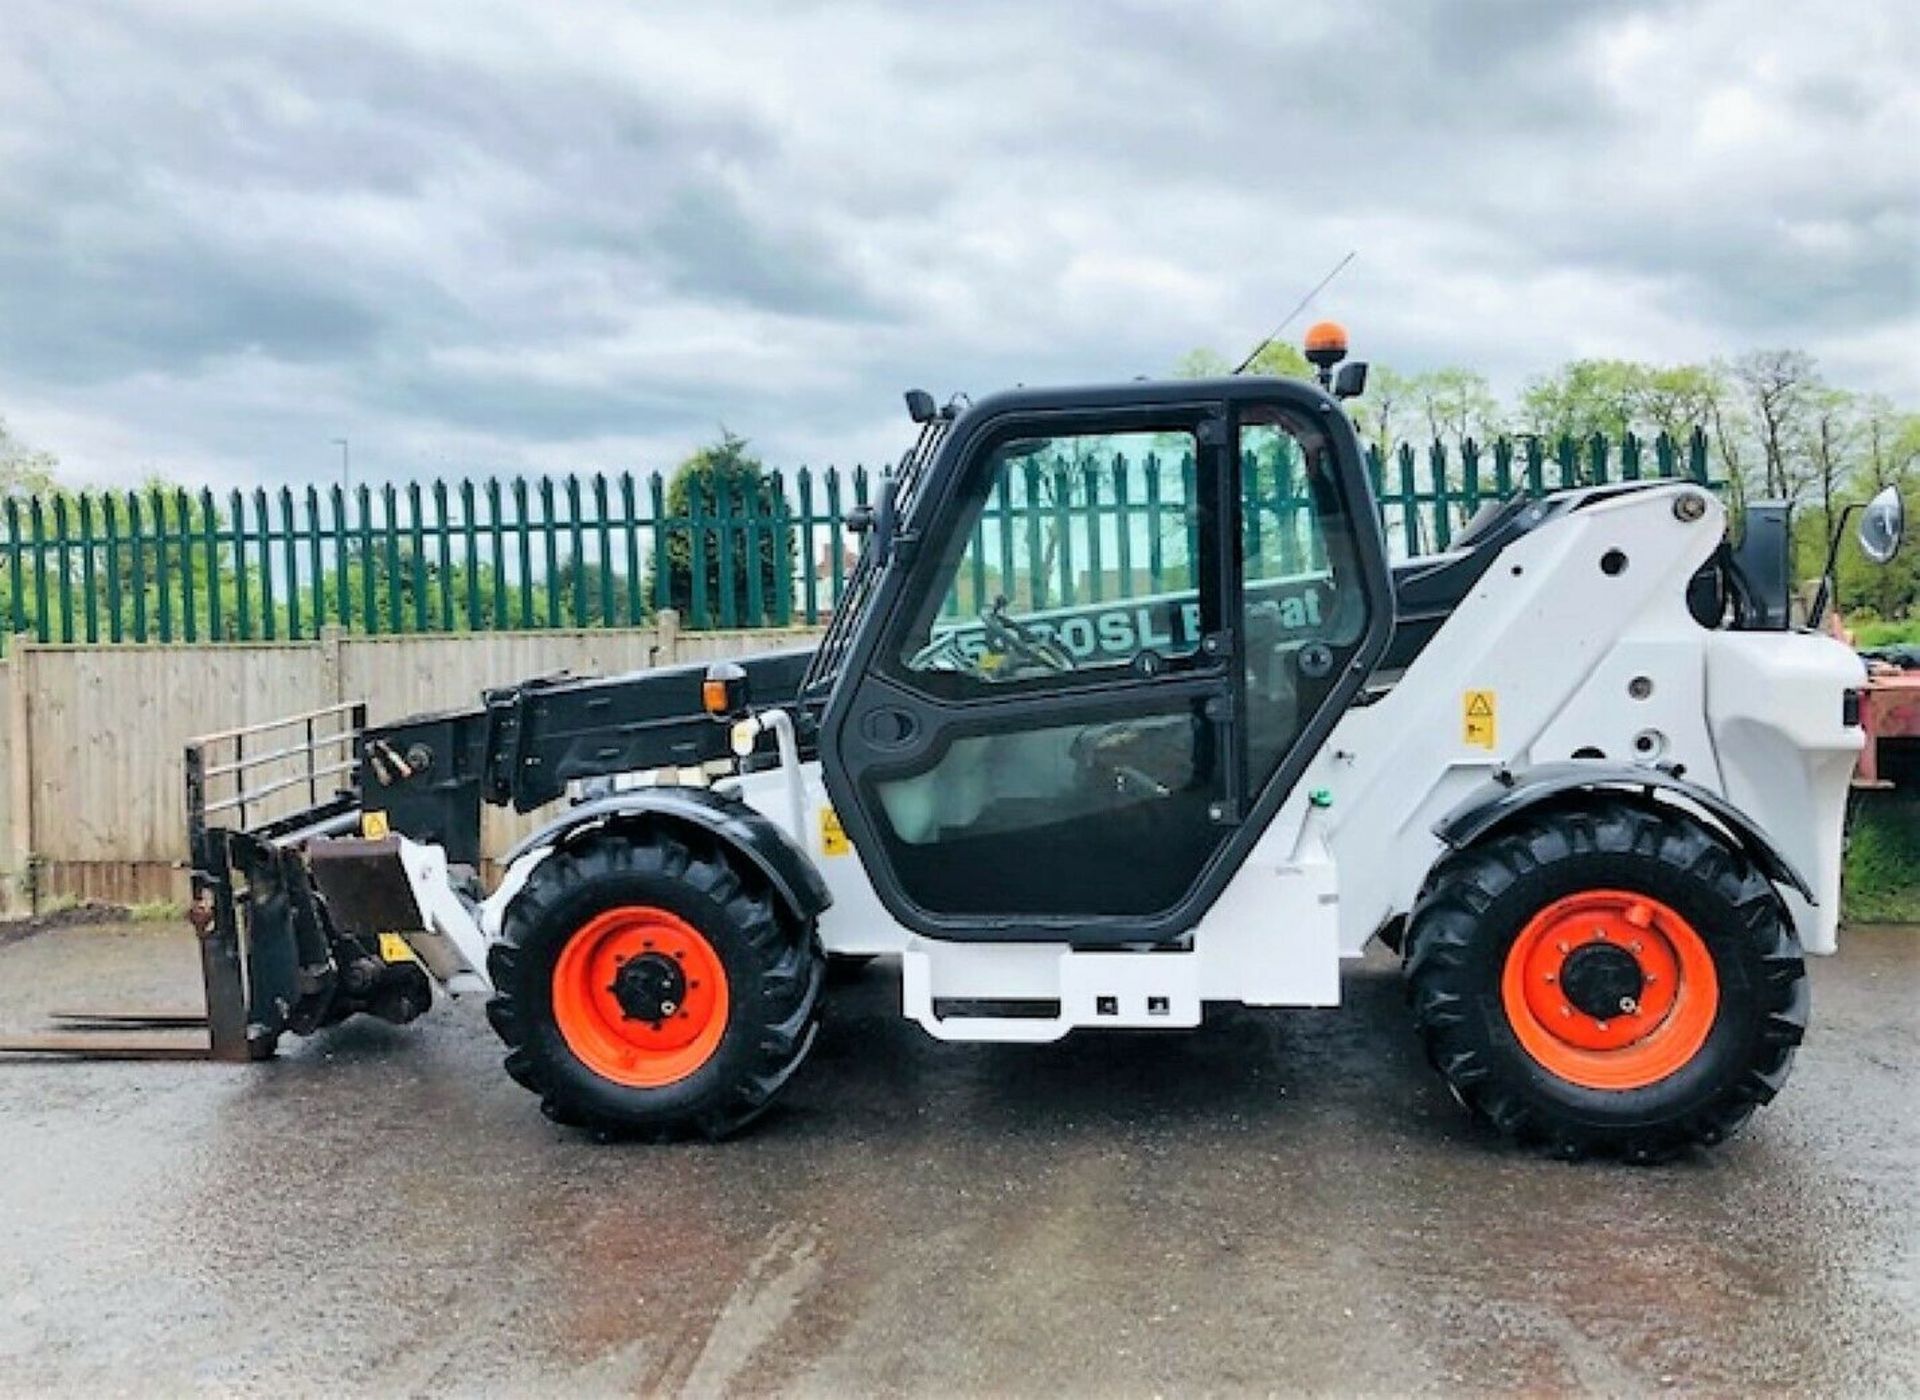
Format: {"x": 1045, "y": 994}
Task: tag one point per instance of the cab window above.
{"x": 1303, "y": 605}
{"x": 1077, "y": 563}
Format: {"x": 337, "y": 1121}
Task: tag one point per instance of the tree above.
{"x": 411, "y": 581}
{"x": 1726, "y": 426}
{"x": 1887, "y": 448}
{"x": 1676, "y": 399}
{"x": 596, "y": 584}
{"x": 1202, "y": 363}
{"x": 1282, "y": 361}
{"x": 1279, "y": 359}
{"x": 1832, "y": 441}
{"x": 1384, "y": 414}
{"x": 1610, "y": 398}
{"x": 1889, "y": 444}
{"x": 1779, "y": 389}
{"x": 170, "y": 544}
{"x": 724, "y": 470}
{"x": 1454, "y": 404}
{"x": 1585, "y": 397}
{"x": 23, "y": 470}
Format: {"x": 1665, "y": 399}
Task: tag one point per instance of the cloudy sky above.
{"x": 488, "y": 234}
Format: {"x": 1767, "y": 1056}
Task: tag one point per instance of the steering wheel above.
{"x": 1021, "y": 643}
{"x": 1011, "y": 645}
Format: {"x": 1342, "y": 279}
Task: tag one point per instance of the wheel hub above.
{"x": 1603, "y": 980}
{"x": 650, "y": 988}
{"x": 1610, "y": 989}
{"x": 640, "y": 996}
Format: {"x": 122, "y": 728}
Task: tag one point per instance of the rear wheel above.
{"x": 1607, "y": 978}
{"x": 647, "y": 985}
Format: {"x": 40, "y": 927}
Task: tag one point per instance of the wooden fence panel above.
{"x": 107, "y": 726}
{"x": 92, "y": 806}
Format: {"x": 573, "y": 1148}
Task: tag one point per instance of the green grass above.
{"x": 1885, "y": 634}
{"x": 1881, "y": 884}
{"x": 156, "y": 911}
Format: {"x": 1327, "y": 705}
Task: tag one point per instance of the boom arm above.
{"x": 430, "y": 773}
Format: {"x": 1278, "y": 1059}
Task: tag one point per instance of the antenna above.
{"x": 1305, "y": 302}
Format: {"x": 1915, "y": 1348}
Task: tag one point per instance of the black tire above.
{"x": 774, "y": 971}
{"x": 1478, "y": 901}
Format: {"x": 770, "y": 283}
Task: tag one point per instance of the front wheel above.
{"x": 646, "y": 985}
{"x": 1613, "y": 977}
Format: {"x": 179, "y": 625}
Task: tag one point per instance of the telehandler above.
{"x": 1578, "y": 769}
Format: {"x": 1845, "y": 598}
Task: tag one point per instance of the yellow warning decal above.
{"x": 833, "y": 836}
{"x": 1477, "y": 718}
{"x": 373, "y": 825}
{"x": 395, "y": 949}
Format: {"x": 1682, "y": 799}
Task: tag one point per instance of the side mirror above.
{"x": 1351, "y": 381}
{"x": 1881, "y": 525}
{"x": 920, "y": 406}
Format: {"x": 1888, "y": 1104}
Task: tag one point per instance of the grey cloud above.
{"x": 494, "y": 229}
{"x": 497, "y": 401}
{"x": 712, "y": 244}
{"x": 93, "y": 307}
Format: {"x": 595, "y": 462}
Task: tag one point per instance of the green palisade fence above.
{"x": 169, "y": 565}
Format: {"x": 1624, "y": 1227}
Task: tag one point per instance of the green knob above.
{"x": 1321, "y": 797}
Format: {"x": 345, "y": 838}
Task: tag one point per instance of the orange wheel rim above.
{"x": 1610, "y": 989}
{"x": 640, "y": 996}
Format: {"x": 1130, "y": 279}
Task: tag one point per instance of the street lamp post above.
{"x": 346, "y": 464}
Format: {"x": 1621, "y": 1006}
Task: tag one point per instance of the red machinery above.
{"x": 1890, "y": 713}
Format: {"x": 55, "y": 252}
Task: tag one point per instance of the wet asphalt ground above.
{"x": 1279, "y": 1202}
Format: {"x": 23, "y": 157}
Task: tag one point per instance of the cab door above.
{"x": 1101, "y": 634}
